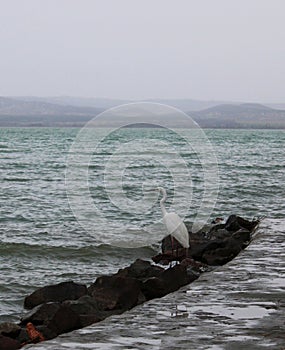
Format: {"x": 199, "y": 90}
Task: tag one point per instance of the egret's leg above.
{"x": 176, "y": 253}
{"x": 172, "y": 249}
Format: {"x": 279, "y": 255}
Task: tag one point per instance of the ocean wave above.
{"x": 70, "y": 252}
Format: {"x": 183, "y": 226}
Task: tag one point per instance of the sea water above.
{"x": 43, "y": 241}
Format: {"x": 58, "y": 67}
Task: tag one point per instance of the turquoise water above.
{"x": 41, "y": 240}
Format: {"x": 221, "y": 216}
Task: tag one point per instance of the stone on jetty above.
{"x": 9, "y": 329}
{"x": 57, "y": 292}
{"x": 87, "y": 310}
{"x": 56, "y": 317}
{"x": 141, "y": 270}
{"x": 168, "y": 281}
{"x": 235, "y": 223}
{"x": 115, "y": 292}
{"x": 7, "y": 343}
{"x": 219, "y": 252}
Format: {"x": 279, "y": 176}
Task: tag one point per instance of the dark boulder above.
{"x": 176, "y": 277}
{"x": 198, "y": 251}
{"x": 64, "y": 320}
{"x": 242, "y": 237}
{"x": 154, "y": 287}
{"x": 7, "y": 343}
{"x": 57, "y": 292}
{"x": 170, "y": 280}
{"x": 116, "y": 292}
{"x": 235, "y": 223}
{"x": 55, "y": 316}
{"x": 41, "y": 314}
{"x": 10, "y": 329}
{"x": 225, "y": 241}
{"x": 140, "y": 269}
{"x": 219, "y": 233}
{"x": 223, "y": 253}
{"x": 87, "y": 309}
{"x": 84, "y": 305}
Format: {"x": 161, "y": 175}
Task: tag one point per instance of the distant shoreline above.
{"x": 132, "y": 127}
{"x": 32, "y": 112}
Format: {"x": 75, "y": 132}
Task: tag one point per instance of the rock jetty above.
{"x": 64, "y": 307}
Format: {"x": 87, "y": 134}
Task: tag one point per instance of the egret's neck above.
{"x": 162, "y": 201}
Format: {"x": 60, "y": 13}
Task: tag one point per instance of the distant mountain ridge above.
{"x": 245, "y": 115}
{"x": 105, "y": 103}
{"x": 15, "y": 112}
{"x": 12, "y": 106}
{"x": 26, "y": 111}
{"x": 239, "y": 108}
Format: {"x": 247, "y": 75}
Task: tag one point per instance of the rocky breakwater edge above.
{"x": 67, "y": 306}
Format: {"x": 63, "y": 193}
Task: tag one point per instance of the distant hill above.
{"x": 39, "y": 112}
{"x": 276, "y": 105}
{"x": 245, "y": 115}
{"x": 100, "y": 103}
{"x": 226, "y": 109}
{"x": 15, "y": 112}
{"x": 105, "y": 103}
{"x": 11, "y": 106}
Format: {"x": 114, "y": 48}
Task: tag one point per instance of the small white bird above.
{"x": 173, "y": 223}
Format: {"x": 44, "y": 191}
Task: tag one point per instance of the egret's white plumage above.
{"x": 173, "y": 223}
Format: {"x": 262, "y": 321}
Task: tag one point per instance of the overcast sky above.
{"x": 139, "y": 49}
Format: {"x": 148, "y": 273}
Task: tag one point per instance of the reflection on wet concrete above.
{"x": 237, "y": 306}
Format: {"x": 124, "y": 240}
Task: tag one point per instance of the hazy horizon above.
{"x": 143, "y": 50}
{"x": 142, "y": 99}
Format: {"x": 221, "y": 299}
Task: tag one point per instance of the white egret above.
{"x": 173, "y": 223}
